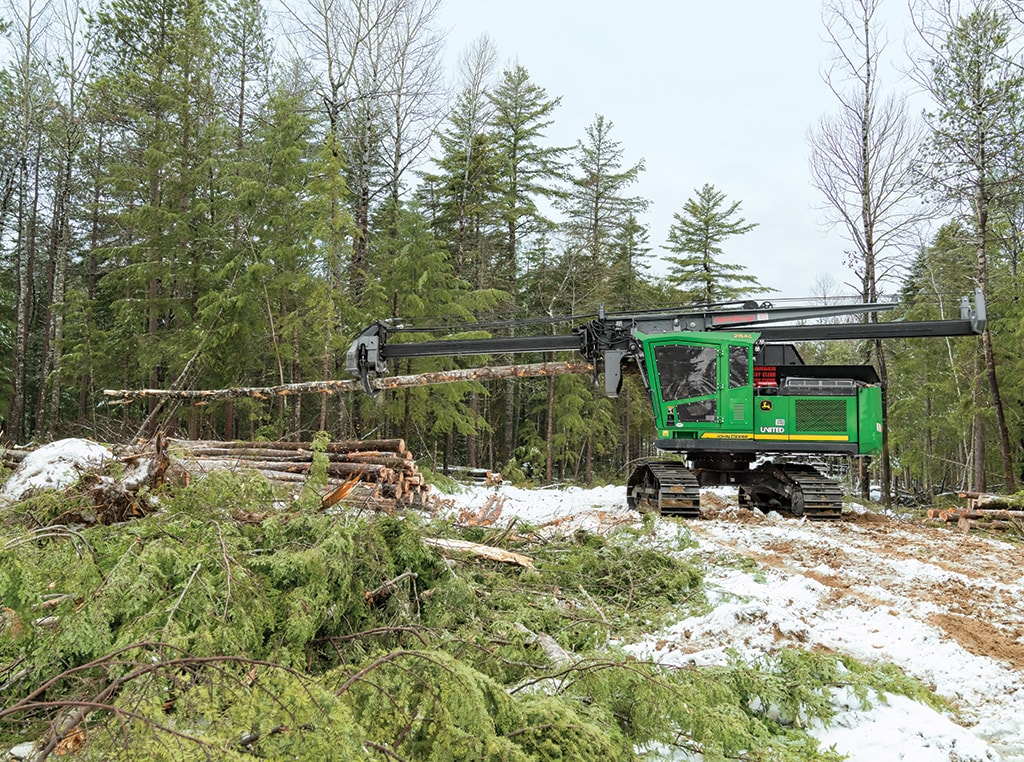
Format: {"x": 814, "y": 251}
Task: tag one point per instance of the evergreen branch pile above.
{"x": 188, "y": 635}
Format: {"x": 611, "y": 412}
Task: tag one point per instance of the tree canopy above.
{"x": 185, "y": 203}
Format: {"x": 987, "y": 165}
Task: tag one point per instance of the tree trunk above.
{"x": 886, "y": 466}
{"x": 978, "y": 428}
{"x": 472, "y": 441}
{"x": 25, "y": 250}
{"x": 1009, "y": 481}
{"x": 588, "y": 461}
{"x": 509, "y": 442}
{"x": 549, "y": 434}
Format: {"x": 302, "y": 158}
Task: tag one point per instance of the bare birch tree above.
{"x": 862, "y": 162}
{"x": 377, "y": 63}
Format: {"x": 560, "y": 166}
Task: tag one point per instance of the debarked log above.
{"x": 483, "y": 551}
{"x": 495, "y": 373}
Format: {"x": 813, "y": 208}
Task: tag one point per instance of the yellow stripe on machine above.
{"x": 721, "y": 435}
{"x": 821, "y": 437}
{"x": 803, "y": 437}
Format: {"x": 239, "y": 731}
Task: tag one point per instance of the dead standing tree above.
{"x": 862, "y": 161}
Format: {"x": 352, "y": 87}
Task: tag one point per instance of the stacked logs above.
{"x": 984, "y": 511}
{"x": 380, "y": 474}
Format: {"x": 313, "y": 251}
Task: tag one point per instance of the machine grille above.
{"x": 820, "y": 415}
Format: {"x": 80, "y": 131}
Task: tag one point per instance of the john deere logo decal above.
{"x": 766, "y": 405}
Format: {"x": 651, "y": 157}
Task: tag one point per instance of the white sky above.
{"x": 718, "y": 92}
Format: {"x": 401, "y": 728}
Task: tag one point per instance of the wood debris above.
{"x": 486, "y": 515}
{"x": 489, "y": 552}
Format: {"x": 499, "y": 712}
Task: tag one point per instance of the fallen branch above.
{"x": 380, "y": 594}
{"x": 558, "y": 655}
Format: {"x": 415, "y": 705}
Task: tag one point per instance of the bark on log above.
{"x": 987, "y": 513}
{"x": 965, "y": 524}
{"x": 383, "y": 469}
{"x": 341, "y": 446}
{"x": 204, "y": 396}
{"x": 985, "y": 500}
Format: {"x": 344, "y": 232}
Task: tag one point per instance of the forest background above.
{"x": 194, "y": 197}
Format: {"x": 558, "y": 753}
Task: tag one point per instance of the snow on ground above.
{"x": 53, "y": 466}
{"x": 944, "y": 606}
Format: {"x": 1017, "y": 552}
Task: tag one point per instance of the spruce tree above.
{"x": 165, "y": 168}
{"x": 530, "y": 177}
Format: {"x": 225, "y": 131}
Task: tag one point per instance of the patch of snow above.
{"x": 53, "y": 466}
{"x": 22, "y": 751}
{"x": 899, "y": 729}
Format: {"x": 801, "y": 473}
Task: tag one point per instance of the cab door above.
{"x": 701, "y": 383}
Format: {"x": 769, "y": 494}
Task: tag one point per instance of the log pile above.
{"x": 379, "y": 474}
{"x": 983, "y": 518}
{"x": 982, "y": 501}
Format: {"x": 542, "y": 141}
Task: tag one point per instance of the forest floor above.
{"x": 944, "y": 606}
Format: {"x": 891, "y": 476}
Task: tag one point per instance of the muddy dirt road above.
{"x": 948, "y": 607}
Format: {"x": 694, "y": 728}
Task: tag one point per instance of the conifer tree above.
{"x": 530, "y": 171}
{"x": 271, "y": 313}
{"x": 597, "y": 207}
{"x": 932, "y": 380}
{"x": 977, "y": 83}
{"x": 461, "y": 195}
{"x": 156, "y": 72}
{"x": 530, "y": 175}
{"x": 696, "y": 238}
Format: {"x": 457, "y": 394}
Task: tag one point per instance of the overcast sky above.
{"x": 703, "y": 92}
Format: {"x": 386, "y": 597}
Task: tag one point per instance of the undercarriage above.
{"x": 672, "y": 488}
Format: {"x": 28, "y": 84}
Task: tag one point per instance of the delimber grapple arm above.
{"x": 608, "y": 339}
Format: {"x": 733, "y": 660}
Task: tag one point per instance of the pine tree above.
{"x": 530, "y": 175}
{"x": 696, "y": 237}
{"x": 596, "y": 209}
{"x": 977, "y": 84}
